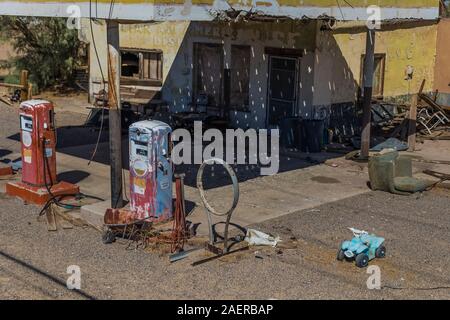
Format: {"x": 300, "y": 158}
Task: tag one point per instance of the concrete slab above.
{"x": 94, "y": 213}
{"x": 261, "y": 198}
{"x": 269, "y": 197}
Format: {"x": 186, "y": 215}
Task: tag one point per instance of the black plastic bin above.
{"x": 311, "y": 135}
{"x": 289, "y": 137}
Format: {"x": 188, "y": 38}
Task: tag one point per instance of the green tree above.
{"x": 45, "y": 47}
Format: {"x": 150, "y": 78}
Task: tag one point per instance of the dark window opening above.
{"x": 208, "y": 64}
{"x": 240, "y": 77}
{"x": 130, "y": 64}
{"x": 142, "y": 67}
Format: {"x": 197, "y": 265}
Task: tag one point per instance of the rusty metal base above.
{"x": 6, "y": 171}
{"x": 39, "y": 195}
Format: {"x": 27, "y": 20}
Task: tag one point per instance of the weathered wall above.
{"x": 329, "y": 69}
{"x": 338, "y": 60}
{"x": 201, "y": 10}
{"x": 161, "y": 35}
{"x": 177, "y": 89}
{"x": 442, "y": 69}
{"x": 176, "y": 41}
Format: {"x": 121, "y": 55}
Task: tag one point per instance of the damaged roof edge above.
{"x": 148, "y": 11}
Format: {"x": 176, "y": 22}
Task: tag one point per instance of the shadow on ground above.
{"x": 81, "y": 142}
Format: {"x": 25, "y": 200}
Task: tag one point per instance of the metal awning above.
{"x": 207, "y": 10}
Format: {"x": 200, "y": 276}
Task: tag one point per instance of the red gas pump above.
{"x": 38, "y": 137}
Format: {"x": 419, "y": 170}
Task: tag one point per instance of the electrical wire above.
{"x": 417, "y": 288}
{"x": 349, "y": 4}
{"x": 111, "y": 9}
{"x": 56, "y": 199}
{"x": 340, "y": 9}
{"x": 53, "y": 199}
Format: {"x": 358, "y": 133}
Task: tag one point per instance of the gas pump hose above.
{"x": 56, "y": 199}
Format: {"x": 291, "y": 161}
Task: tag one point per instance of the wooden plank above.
{"x": 30, "y": 91}
{"x": 399, "y": 128}
{"x": 146, "y": 68}
{"x": 51, "y": 219}
{"x": 10, "y": 85}
{"x": 369, "y": 62}
{"x": 115, "y": 120}
{"x": 5, "y": 101}
{"x": 412, "y": 123}
{"x": 430, "y": 102}
{"x": 126, "y": 81}
{"x": 422, "y": 86}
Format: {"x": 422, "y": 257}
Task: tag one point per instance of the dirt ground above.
{"x": 33, "y": 261}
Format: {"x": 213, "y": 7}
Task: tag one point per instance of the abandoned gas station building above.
{"x": 261, "y": 70}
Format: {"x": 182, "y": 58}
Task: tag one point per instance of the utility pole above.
{"x": 369, "y": 62}
{"x": 115, "y": 123}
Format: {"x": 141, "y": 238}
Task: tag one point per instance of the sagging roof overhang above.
{"x": 208, "y": 10}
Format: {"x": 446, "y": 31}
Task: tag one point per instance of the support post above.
{"x": 24, "y": 85}
{"x": 369, "y": 62}
{"x": 412, "y": 123}
{"x": 115, "y": 123}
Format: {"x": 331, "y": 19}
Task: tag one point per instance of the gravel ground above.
{"x": 33, "y": 261}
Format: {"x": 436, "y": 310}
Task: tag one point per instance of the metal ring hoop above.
{"x": 233, "y": 179}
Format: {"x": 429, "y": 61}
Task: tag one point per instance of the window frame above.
{"x": 375, "y": 94}
{"x": 127, "y": 80}
{"x": 242, "y": 107}
{"x": 195, "y": 74}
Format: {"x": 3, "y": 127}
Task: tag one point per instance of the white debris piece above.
{"x": 258, "y": 238}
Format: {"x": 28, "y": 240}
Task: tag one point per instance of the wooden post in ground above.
{"x": 30, "y": 91}
{"x": 24, "y": 85}
{"x": 369, "y": 62}
{"x": 115, "y": 123}
{"x": 412, "y": 123}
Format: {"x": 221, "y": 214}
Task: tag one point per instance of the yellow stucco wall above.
{"x": 166, "y": 36}
{"x": 409, "y": 44}
{"x": 329, "y": 69}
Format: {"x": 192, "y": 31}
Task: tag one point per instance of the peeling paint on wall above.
{"x": 410, "y": 44}
{"x": 329, "y": 69}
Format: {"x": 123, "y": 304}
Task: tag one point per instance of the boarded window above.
{"x": 208, "y": 68}
{"x": 152, "y": 65}
{"x": 142, "y": 65}
{"x": 240, "y": 77}
{"x": 378, "y": 75}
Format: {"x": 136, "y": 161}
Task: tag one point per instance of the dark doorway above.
{"x": 282, "y": 88}
{"x": 208, "y": 69}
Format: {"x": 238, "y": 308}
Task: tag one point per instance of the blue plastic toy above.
{"x": 362, "y": 248}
